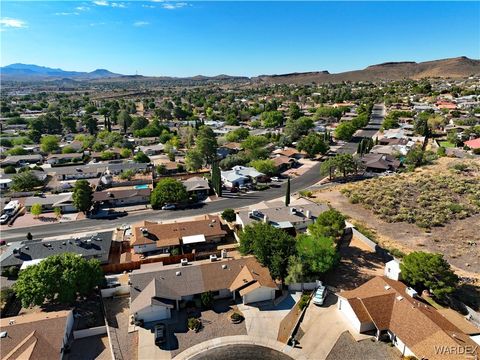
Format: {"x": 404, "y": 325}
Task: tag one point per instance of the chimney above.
{"x": 293, "y": 211}
{"x": 308, "y": 214}
{"x": 265, "y": 218}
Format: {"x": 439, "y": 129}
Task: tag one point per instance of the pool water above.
{"x": 138, "y": 187}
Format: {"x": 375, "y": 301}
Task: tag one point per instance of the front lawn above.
{"x": 446, "y": 144}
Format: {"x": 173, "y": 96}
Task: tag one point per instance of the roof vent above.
{"x": 213, "y": 257}
{"x": 387, "y": 287}
{"x": 11, "y": 322}
{"x": 411, "y": 292}
{"x": 26, "y": 248}
{"x": 399, "y": 298}
{"x": 224, "y": 266}
{"x": 178, "y": 273}
{"x": 64, "y": 243}
{"x": 184, "y": 262}
{"x": 3, "y": 334}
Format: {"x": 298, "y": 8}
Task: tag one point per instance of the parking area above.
{"x": 321, "y": 328}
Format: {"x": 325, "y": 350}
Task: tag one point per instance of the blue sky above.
{"x": 238, "y": 38}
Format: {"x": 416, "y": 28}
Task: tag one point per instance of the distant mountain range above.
{"x": 24, "y": 71}
{"x": 460, "y": 67}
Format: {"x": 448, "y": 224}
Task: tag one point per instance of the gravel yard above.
{"x": 124, "y": 343}
{"x": 347, "y": 348}
{"x": 216, "y": 323}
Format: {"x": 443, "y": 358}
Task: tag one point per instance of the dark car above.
{"x": 160, "y": 334}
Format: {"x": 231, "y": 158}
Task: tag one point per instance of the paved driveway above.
{"x": 263, "y": 320}
{"x": 147, "y": 350}
{"x": 321, "y": 328}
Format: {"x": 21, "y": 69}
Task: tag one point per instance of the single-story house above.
{"x": 283, "y": 163}
{"x": 49, "y": 202}
{"x": 290, "y": 152}
{"x": 19, "y": 160}
{"x": 55, "y": 159}
{"x": 197, "y": 185}
{"x": 380, "y": 162}
{"x": 95, "y": 246}
{"x": 156, "y": 290}
{"x": 123, "y": 197}
{"x": 150, "y": 150}
{"x": 154, "y": 237}
{"x": 36, "y": 336}
{"x": 93, "y": 170}
{"x": 281, "y": 216}
{"x": 240, "y": 175}
{"x": 393, "y": 310}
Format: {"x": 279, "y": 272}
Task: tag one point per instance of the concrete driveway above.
{"x": 147, "y": 350}
{"x": 263, "y": 320}
{"x": 321, "y": 327}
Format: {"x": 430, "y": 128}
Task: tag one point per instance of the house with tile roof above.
{"x": 390, "y": 308}
{"x": 157, "y": 290}
{"x": 35, "y": 336}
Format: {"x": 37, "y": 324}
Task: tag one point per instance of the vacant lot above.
{"x": 426, "y": 199}
{"x": 458, "y": 239}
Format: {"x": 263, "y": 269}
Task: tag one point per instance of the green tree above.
{"x": 193, "y": 160}
{"x": 345, "y": 131}
{"x": 345, "y": 164}
{"x": 237, "y": 134}
{"x": 91, "y": 124}
{"x": 82, "y": 196}
{"x": 295, "y": 129}
{"x": 317, "y": 253}
{"x": 17, "y": 150}
{"x": 125, "y": 153}
{"x": 229, "y": 215}
{"x": 58, "y": 279}
{"x": 266, "y": 166}
{"x": 429, "y": 271}
{"x": 206, "y": 144}
{"x": 271, "y": 246}
{"x": 124, "y": 120}
{"x": 287, "y": 193}
{"x": 139, "y": 123}
{"x": 25, "y": 181}
{"x": 140, "y": 157}
{"x": 10, "y": 169}
{"x": 271, "y": 119}
{"x": 294, "y": 112}
{"x": 330, "y": 223}
{"x": 168, "y": 191}
{"x": 207, "y": 299}
{"x": 36, "y": 210}
{"x": 312, "y": 144}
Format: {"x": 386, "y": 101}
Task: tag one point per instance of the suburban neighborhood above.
{"x": 302, "y": 215}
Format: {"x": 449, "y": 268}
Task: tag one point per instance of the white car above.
{"x": 168, "y": 207}
{"x": 276, "y": 179}
{"x": 320, "y": 295}
{"x": 4, "y": 219}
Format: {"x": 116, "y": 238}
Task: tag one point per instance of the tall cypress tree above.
{"x": 287, "y": 194}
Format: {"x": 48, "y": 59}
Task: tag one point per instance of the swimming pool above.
{"x": 137, "y": 187}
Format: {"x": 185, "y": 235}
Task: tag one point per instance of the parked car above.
{"x": 169, "y": 207}
{"x": 160, "y": 334}
{"x": 3, "y": 242}
{"x": 320, "y": 295}
{"x": 275, "y": 179}
{"x": 4, "y": 219}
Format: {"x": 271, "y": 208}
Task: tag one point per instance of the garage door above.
{"x": 154, "y": 314}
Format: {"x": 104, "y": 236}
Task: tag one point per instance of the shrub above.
{"x": 194, "y": 324}
{"x": 207, "y": 299}
{"x": 236, "y": 318}
{"x": 229, "y": 215}
{"x": 303, "y": 301}
{"x": 10, "y": 169}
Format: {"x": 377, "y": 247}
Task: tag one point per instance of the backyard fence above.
{"x": 115, "y": 291}
{"x": 133, "y": 265}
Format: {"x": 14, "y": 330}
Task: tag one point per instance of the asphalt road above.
{"x": 309, "y": 178}
{"x": 376, "y": 120}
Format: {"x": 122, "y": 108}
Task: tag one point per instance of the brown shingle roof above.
{"x": 171, "y": 234}
{"x": 34, "y": 336}
{"x": 413, "y": 321}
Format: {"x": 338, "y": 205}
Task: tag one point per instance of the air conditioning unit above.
{"x": 224, "y": 253}
{"x": 184, "y": 262}
{"x": 411, "y": 292}
{"x": 213, "y": 257}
